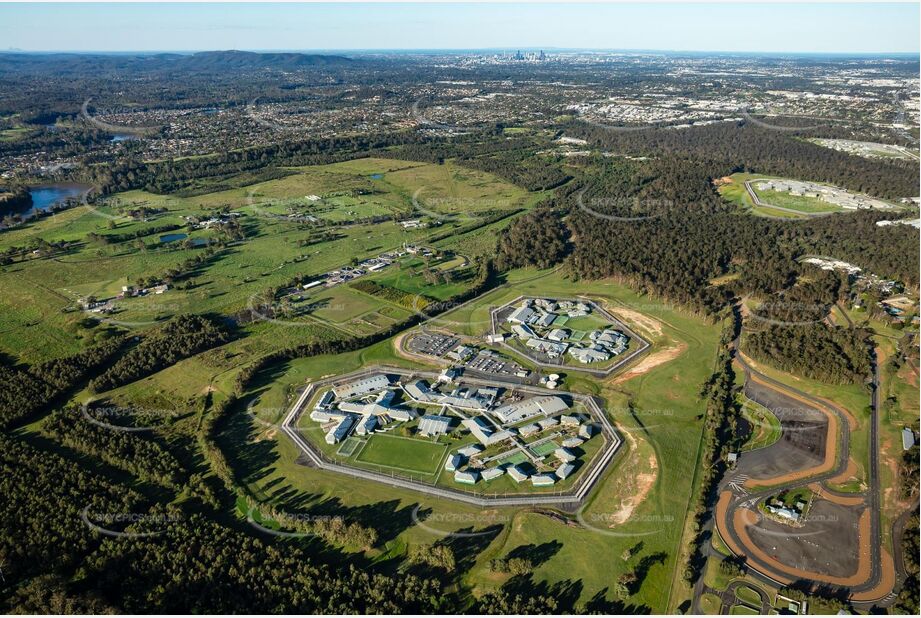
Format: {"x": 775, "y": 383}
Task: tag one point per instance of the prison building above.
{"x": 433, "y": 425}
{"x": 420, "y": 391}
{"x": 471, "y": 450}
{"x": 586, "y": 430}
{"x": 521, "y": 410}
{"x": 364, "y": 386}
{"x": 325, "y": 401}
{"x": 453, "y": 463}
{"x": 366, "y": 425}
{"x": 529, "y": 429}
{"x": 547, "y": 423}
{"x": 572, "y": 442}
{"x": 341, "y": 430}
{"x": 467, "y": 478}
{"x": 324, "y": 416}
{"x": 401, "y": 414}
{"x": 522, "y": 315}
{"x": 543, "y": 480}
{"x": 518, "y": 474}
{"x": 464, "y": 399}
{"x": 492, "y": 473}
{"x": 594, "y": 354}
{"x": 523, "y": 331}
{"x": 564, "y": 470}
{"x": 564, "y": 455}
{"x": 484, "y": 432}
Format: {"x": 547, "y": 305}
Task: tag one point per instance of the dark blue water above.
{"x": 173, "y": 237}
{"x": 196, "y": 242}
{"x": 377, "y": 176}
{"x": 46, "y": 196}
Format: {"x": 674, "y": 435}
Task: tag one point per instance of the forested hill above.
{"x": 202, "y": 62}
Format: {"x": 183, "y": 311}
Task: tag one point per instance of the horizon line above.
{"x": 464, "y": 50}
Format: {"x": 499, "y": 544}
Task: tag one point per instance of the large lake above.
{"x": 46, "y": 196}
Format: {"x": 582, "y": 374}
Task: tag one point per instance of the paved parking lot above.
{"x": 432, "y": 344}
{"x": 491, "y": 363}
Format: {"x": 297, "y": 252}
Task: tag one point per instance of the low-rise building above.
{"x": 908, "y": 438}
{"x": 340, "y": 430}
{"x": 366, "y": 425}
{"x": 364, "y": 386}
{"x": 471, "y": 450}
{"x": 485, "y": 432}
{"x": 529, "y": 430}
{"x": 517, "y": 474}
{"x": 467, "y": 478}
{"x": 564, "y": 455}
{"x": 453, "y": 462}
{"x": 543, "y": 480}
{"x": 593, "y": 354}
{"x": 492, "y": 473}
{"x": 461, "y": 353}
{"x": 522, "y": 315}
{"x": 521, "y": 410}
{"x": 564, "y": 470}
{"x": 434, "y": 425}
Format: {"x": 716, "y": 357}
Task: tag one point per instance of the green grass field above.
{"x": 407, "y": 454}
{"x": 748, "y": 595}
{"x": 764, "y": 424}
{"x": 39, "y": 303}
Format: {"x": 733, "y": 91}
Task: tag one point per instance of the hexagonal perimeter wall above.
{"x": 588, "y": 478}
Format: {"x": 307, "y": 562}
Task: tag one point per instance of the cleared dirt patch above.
{"x": 650, "y": 361}
{"x": 652, "y": 326}
{"x": 634, "y": 490}
{"x": 849, "y": 474}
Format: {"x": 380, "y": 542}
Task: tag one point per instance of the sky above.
{"x": 735, "y": 27}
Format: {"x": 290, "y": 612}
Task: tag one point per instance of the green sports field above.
{"x": 405, "y": 454}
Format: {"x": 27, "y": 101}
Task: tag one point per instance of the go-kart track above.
{"x": 837, "y": 543}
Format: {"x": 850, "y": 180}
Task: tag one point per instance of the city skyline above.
{"x": 830, "y": 28}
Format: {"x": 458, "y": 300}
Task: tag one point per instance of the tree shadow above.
{"x": 600, "y": 604}
{"x": 645, "y": 564}
{"x": 536, "y": 554}
{"x": 565, "y": 593}
{"x": 468, "y": 543}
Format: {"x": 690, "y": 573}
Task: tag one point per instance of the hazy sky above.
{"x": 829, "y": 27}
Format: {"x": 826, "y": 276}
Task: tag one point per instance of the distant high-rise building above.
{"x": 518, "y": 55}
{"x": 542, "y": 57}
